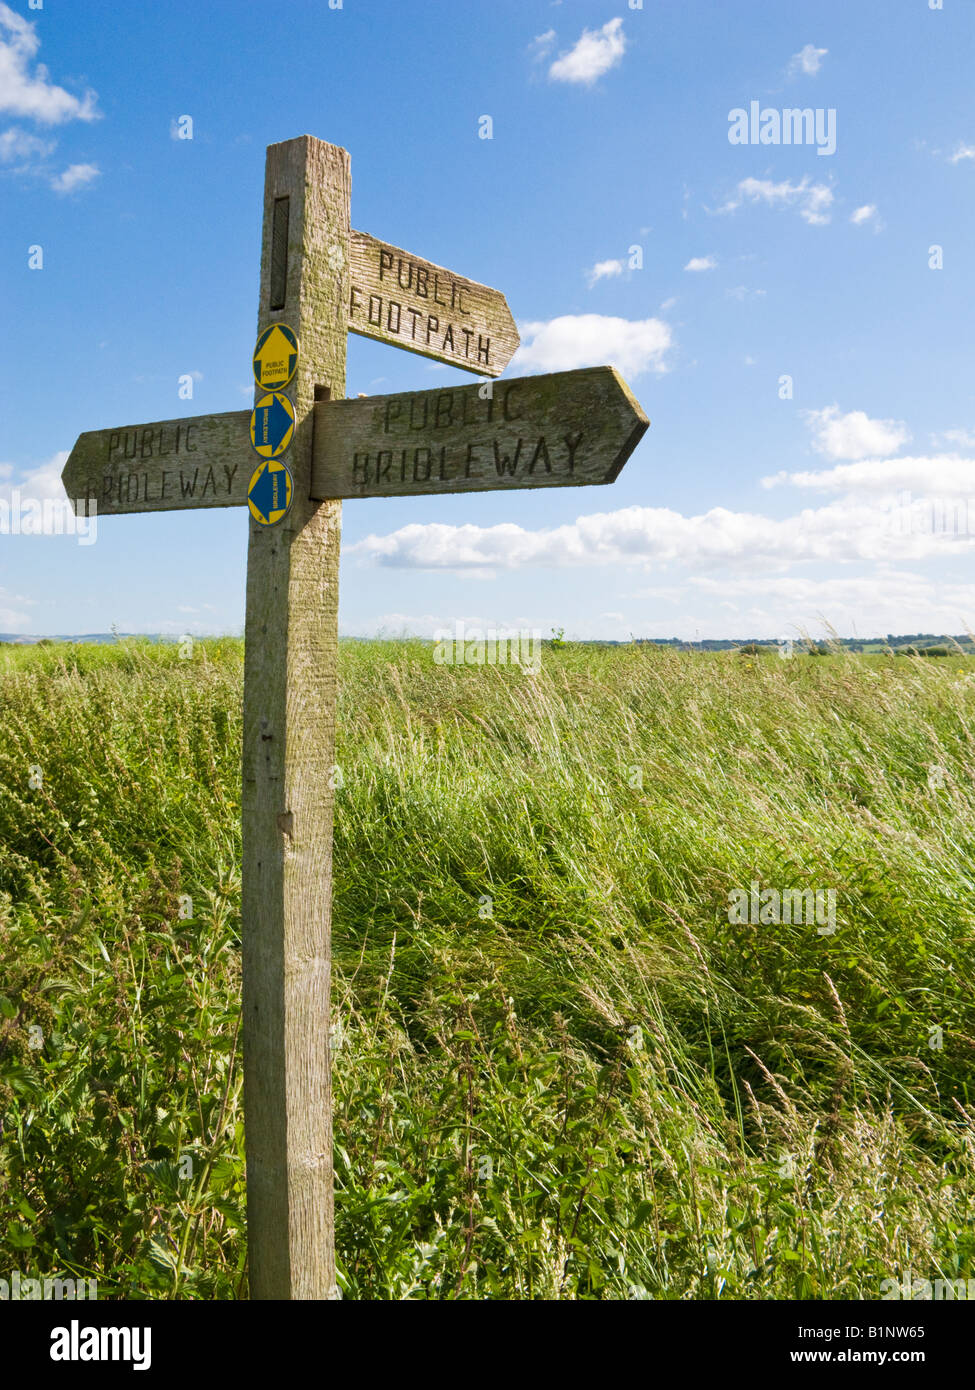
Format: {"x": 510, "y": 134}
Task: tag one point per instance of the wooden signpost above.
{"x": 320, "y": 280}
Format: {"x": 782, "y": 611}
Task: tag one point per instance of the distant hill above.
{"x": 853, "y": 644}
{"x": 706, "y": 644}
{"x": 27, "y": 640}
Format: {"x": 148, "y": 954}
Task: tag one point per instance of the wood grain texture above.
{"x": 289, "y": 713}
{"x": 200, "y": 461}
{"x": 412, "y": 303}
{"x": 566, "y": 429}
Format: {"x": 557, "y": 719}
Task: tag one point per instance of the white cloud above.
{"x": 965, "y": 439}
{"x": 885, "y": 510}
{"x": 592, "y": 340}
{"x": 854, "y": 435}
{"x": 596, "y": 52}
{"x": 887, "y": 599}
{"x": 732, "y": 573}
{"x": 603, "y": 270}
{"x": 808, "y": 60}
{"x": 13, "y": 620}
{"x": 41, "y": 482}
{"x": 19, "y": 144}
{"x": 701, "y": 263}
{"x": 74, "y": 177}
{"x": 941, "y": 475}
{"x": 32, "y": 94}
{"x": 742, "y": 292}
{"x": 812, "y": 199}
{"x": 962, "y": 152}
{"x": 865, "y": 214}
{"x": 541, "y": 45}
{"x": 36, "y": 485}
{"x": 848, "y": 529}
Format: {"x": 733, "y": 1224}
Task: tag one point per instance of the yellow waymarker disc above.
{"x": 272, "y": 425}
{"x": 275, "y": 357}
{"x": 269, "y": 493}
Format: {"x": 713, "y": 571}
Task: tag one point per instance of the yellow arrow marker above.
{"x": 275, "y": 357}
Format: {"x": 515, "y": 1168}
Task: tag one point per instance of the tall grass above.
{"x": 560, "y": 1071}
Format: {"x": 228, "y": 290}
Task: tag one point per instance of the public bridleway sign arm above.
{"x": 201, "y": 461}
{"x": 566, "y": 429}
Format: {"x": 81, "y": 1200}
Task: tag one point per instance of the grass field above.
{"x": 561, "y": 1071}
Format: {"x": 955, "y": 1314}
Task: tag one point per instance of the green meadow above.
{"x": 560, "y": 1070}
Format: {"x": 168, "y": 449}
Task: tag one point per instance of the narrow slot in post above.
{"x": 279, "y": 253}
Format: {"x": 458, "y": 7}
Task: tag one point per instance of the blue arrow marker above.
{"x": 278, "y": 423}
{"x": 264, "y": 494}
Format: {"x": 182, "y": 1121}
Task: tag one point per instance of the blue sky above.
{"x": 744, "y": 511}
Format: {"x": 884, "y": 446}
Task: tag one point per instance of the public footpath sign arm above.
{"x": 290, "y": 461}
{"x": 402, "y": 299}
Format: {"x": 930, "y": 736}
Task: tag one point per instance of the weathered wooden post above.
{"x": 320, "y": 281}
{"x": 290, "y": 650}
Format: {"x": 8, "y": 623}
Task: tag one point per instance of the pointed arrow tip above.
{"x": 70, "y": 464}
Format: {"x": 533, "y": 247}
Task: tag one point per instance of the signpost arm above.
{"x": 289, "y": 727}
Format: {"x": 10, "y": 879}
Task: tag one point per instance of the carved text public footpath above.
{"x": 401, "y": 299}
